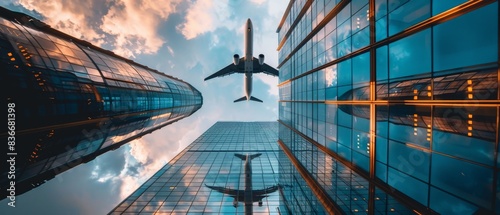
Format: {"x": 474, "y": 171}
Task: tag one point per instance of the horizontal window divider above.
{"x": 472, "y": 103}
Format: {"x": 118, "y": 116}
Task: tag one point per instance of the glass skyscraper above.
{"x": 390, "y": 107}
{"x": 232, "y": 168}
{"x": 71, "y": 101}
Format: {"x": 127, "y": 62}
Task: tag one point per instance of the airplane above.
{"x": 247, "y": 65}
{"x": 249, "y": 195}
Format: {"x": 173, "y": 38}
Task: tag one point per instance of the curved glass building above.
{"x": 70, "y": 101}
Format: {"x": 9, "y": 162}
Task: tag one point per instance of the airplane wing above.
{"x": 265, "y": 191}
{"x": 228, "y": 70}
{"x": 264, "y": 68}
{"x": 224, "y": 190}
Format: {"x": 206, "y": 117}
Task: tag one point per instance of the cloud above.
{"x": 259, "y": 2}
{"x": 128, "y": 27}
{"x": 68, "y": 17}
{"x": 206, "y": 16}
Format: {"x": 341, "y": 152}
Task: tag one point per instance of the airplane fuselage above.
{"x": 247, "y": 82}
{"x": 248, "y": 185}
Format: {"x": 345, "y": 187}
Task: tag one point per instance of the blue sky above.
{"x": 188, "y": 39}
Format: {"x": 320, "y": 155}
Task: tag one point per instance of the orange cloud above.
{"x": 129, "y": 26}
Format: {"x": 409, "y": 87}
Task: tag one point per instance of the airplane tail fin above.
{"x": 255, "y": 99}
{"x": 241, "y": 99}
{"x": 244, "y": 157}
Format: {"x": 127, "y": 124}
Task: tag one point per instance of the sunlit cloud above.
{"x": 73, "y": 18}
{"x": 129, "y": 27}
{"x": 259, "y": 2}
{"x": 204, "y": 16}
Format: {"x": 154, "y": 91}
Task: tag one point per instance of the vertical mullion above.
{"x": 371, "y": 187}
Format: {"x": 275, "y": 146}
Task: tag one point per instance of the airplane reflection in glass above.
{"x": 247, "y": 65}
{"x": 247, "y": 196}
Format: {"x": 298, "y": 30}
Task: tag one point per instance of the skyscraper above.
{"x": 232, "y": 168}
{"x": 391, "y": 106}
{"x": 69, "y": 101}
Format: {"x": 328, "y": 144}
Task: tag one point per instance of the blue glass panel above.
{"x": 361, "y": 160}
{"x": 332, "y": 145}
{"x": 464, "y": 179}
{"x": 331, "y": 93}
{"x": 344, "y": 73}
{"x": 467, "y": 40}
{"x": 462, "y": 146}
{"x": 360, "y": 123}
{"x": 361, "y": 39}
{"x": 411, "y": 161}
{"x": 344, "y": 118}
{"x": 441, "y": 201}
{"x": 408, "y": 14}
{"x": 331, "y": 76}
{"x": 345, "y": 93}
{"x": 380, "y": 9}
{"x": 361, "y": 68}
{"x": 344, "y": 14}
{"x": 381, "y": 29}
{"x": 408, "y": 185}
{"x": 411, "y": 55}
{"x": 439, "y": 6}
{"x": 360, "y": 20}
{"x": 382, "y": 60}
{"x": 344, "y": 136}
{"x": 381, "y": 171}
{"x": 357, "y": 4}
{"x": 344, "y": 152}
{"x": 344, "y": 47}
{"x": 381, "y": 149}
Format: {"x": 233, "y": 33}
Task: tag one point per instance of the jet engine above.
{"x": 235, "y": 203}
{"x": 236, "y": 59}
{"x": 261, "y": 59}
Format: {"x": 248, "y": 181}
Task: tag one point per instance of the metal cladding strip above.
{"x": 401, "y": 197}
{"x": 435, "y": 20}
{"x": 330, "y": 206}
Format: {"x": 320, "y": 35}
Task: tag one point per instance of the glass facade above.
{"x": 74, "y": 101}
{"x": 392, "y": 106}
{"x": 232, "y": 168}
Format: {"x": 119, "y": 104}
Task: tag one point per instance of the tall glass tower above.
{"x": 67, "y": 101}
{"x": 391, "y": 107}
{"x": 232, "y": 168}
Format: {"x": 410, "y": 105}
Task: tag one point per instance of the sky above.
{"x": 188, "y": 39}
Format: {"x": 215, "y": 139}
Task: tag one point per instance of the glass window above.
{"x": 466, "y": 133}
{"x": 439, "y": 6}
{"x": 441, "y": 201}
{"x": 411, "y": 55}
{"x": 361, "y": 68}
{"x": 467, "y": 40}
{"x": 382, "y": 63}
{"x": 344, "y": 73}
{"x": 409, "y": 160}
{"x": 408, "y": 14}
{"x": 408, "y": 185}
{"x": 464, "y": 179}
